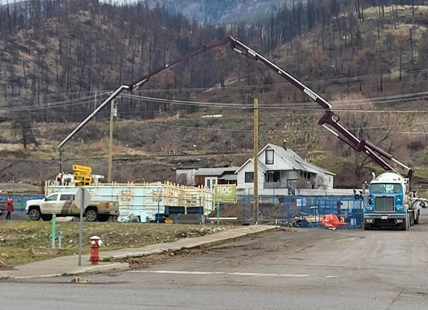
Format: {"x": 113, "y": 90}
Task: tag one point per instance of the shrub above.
{"x": 416, "y": 145}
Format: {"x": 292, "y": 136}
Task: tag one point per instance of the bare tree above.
{"x": 22, "y": 125}
{"x": 400, "y": 41}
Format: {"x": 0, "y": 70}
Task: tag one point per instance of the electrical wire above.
{"x": 54, "y": 105}
{"x": 294, "y": 106}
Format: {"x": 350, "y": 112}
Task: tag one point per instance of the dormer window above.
{"x": 269, "y": 157}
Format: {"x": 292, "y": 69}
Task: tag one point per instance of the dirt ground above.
{"x": 295, "y": 240}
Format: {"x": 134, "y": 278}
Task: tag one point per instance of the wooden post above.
{"x": 256, "y": 161}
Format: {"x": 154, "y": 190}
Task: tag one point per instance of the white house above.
{"x": 280, "y": 172}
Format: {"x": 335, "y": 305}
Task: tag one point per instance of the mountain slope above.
{"x": 68, "y": 63}
{"x": 225, "y": 11}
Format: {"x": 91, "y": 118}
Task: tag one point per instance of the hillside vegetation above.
{"x": 215, "y": 12}
{"x": 60, "y": 63}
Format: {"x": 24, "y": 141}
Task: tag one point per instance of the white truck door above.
{"x": 50, "y": 204}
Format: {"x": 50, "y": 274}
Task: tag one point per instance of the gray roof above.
{"x": 311, "y": 167}
{"x": 215, "y": 171}
{"x": 261, "y": 165}
{"x": 229, "y": 177}
{"x": 297, "y": 162}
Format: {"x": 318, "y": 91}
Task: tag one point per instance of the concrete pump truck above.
{"x": 390, "y": 200}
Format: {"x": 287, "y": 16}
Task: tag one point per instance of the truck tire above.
{"x": 417, "y": 219}
{"x": 405, "y": 224}
{"x": 91, "y": 215}
{"x": 34, "y": 214}
{"x": 367, "y": 226}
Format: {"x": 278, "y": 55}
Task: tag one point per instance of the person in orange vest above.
{"x": 9, "y": 208}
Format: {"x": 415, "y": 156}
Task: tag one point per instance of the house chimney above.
{"x": 284, "y": 144}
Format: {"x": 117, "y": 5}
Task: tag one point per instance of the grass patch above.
{"x": 18, "y": 238}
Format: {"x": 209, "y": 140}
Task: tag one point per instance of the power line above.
{"x": 295, "y": 106}
{"x": 57, "y": 104}
{"x": 304, "y": 106}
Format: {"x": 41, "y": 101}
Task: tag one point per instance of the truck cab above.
{"x": 388, "y": 203}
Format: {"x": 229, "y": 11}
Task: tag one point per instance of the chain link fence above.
{"x": 303, "y": 211}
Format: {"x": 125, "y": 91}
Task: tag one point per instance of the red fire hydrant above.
{"x": 95, "y": 249}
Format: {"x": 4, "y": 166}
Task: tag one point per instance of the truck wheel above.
{"x": 405, "y": 223}
{"x": 34, "y": 214}
{"x": 91, "y": 215}
{"x": 417, "y": 219}
{"x": 367, "y": 226}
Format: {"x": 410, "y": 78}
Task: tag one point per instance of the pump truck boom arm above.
{"x": 137, "y": 84}
{"x": 329, "y": 120}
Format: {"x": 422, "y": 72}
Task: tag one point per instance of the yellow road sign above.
{"x": 84, "y": 169}
{"x": 78, "y": 174}
{"x": 83, "y": 179}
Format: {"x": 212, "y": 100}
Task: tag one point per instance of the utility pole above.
{"x": 256, "y": 160}
{"x": 60, "y": 159}
{"x": 110, "y": 142}
{"x": 95, "y": 101}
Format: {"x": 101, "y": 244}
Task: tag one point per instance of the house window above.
{"x": 210, "y": 182}
{"x": 182, "y": 179}
{"x": 273, "y": 176}
{"x": 249, "y": 177}
{"x": 269, "y": 157}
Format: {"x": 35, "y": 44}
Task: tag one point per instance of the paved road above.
{"x": 300, "y": 269}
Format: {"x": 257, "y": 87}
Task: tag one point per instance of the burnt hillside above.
{"x": 60, "y": 59}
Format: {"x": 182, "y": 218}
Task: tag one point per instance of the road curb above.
{"x": 98, "y": 269}
{"x": 196, "y": 245}
{"x": 115, "y": 262}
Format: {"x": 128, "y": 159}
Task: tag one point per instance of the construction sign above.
{"x": 225, "y": 193}
{"x": 82, "y": 175}
{"x": 84, "y": 169}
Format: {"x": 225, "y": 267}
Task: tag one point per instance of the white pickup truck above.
{"x": 62, "y": 205}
